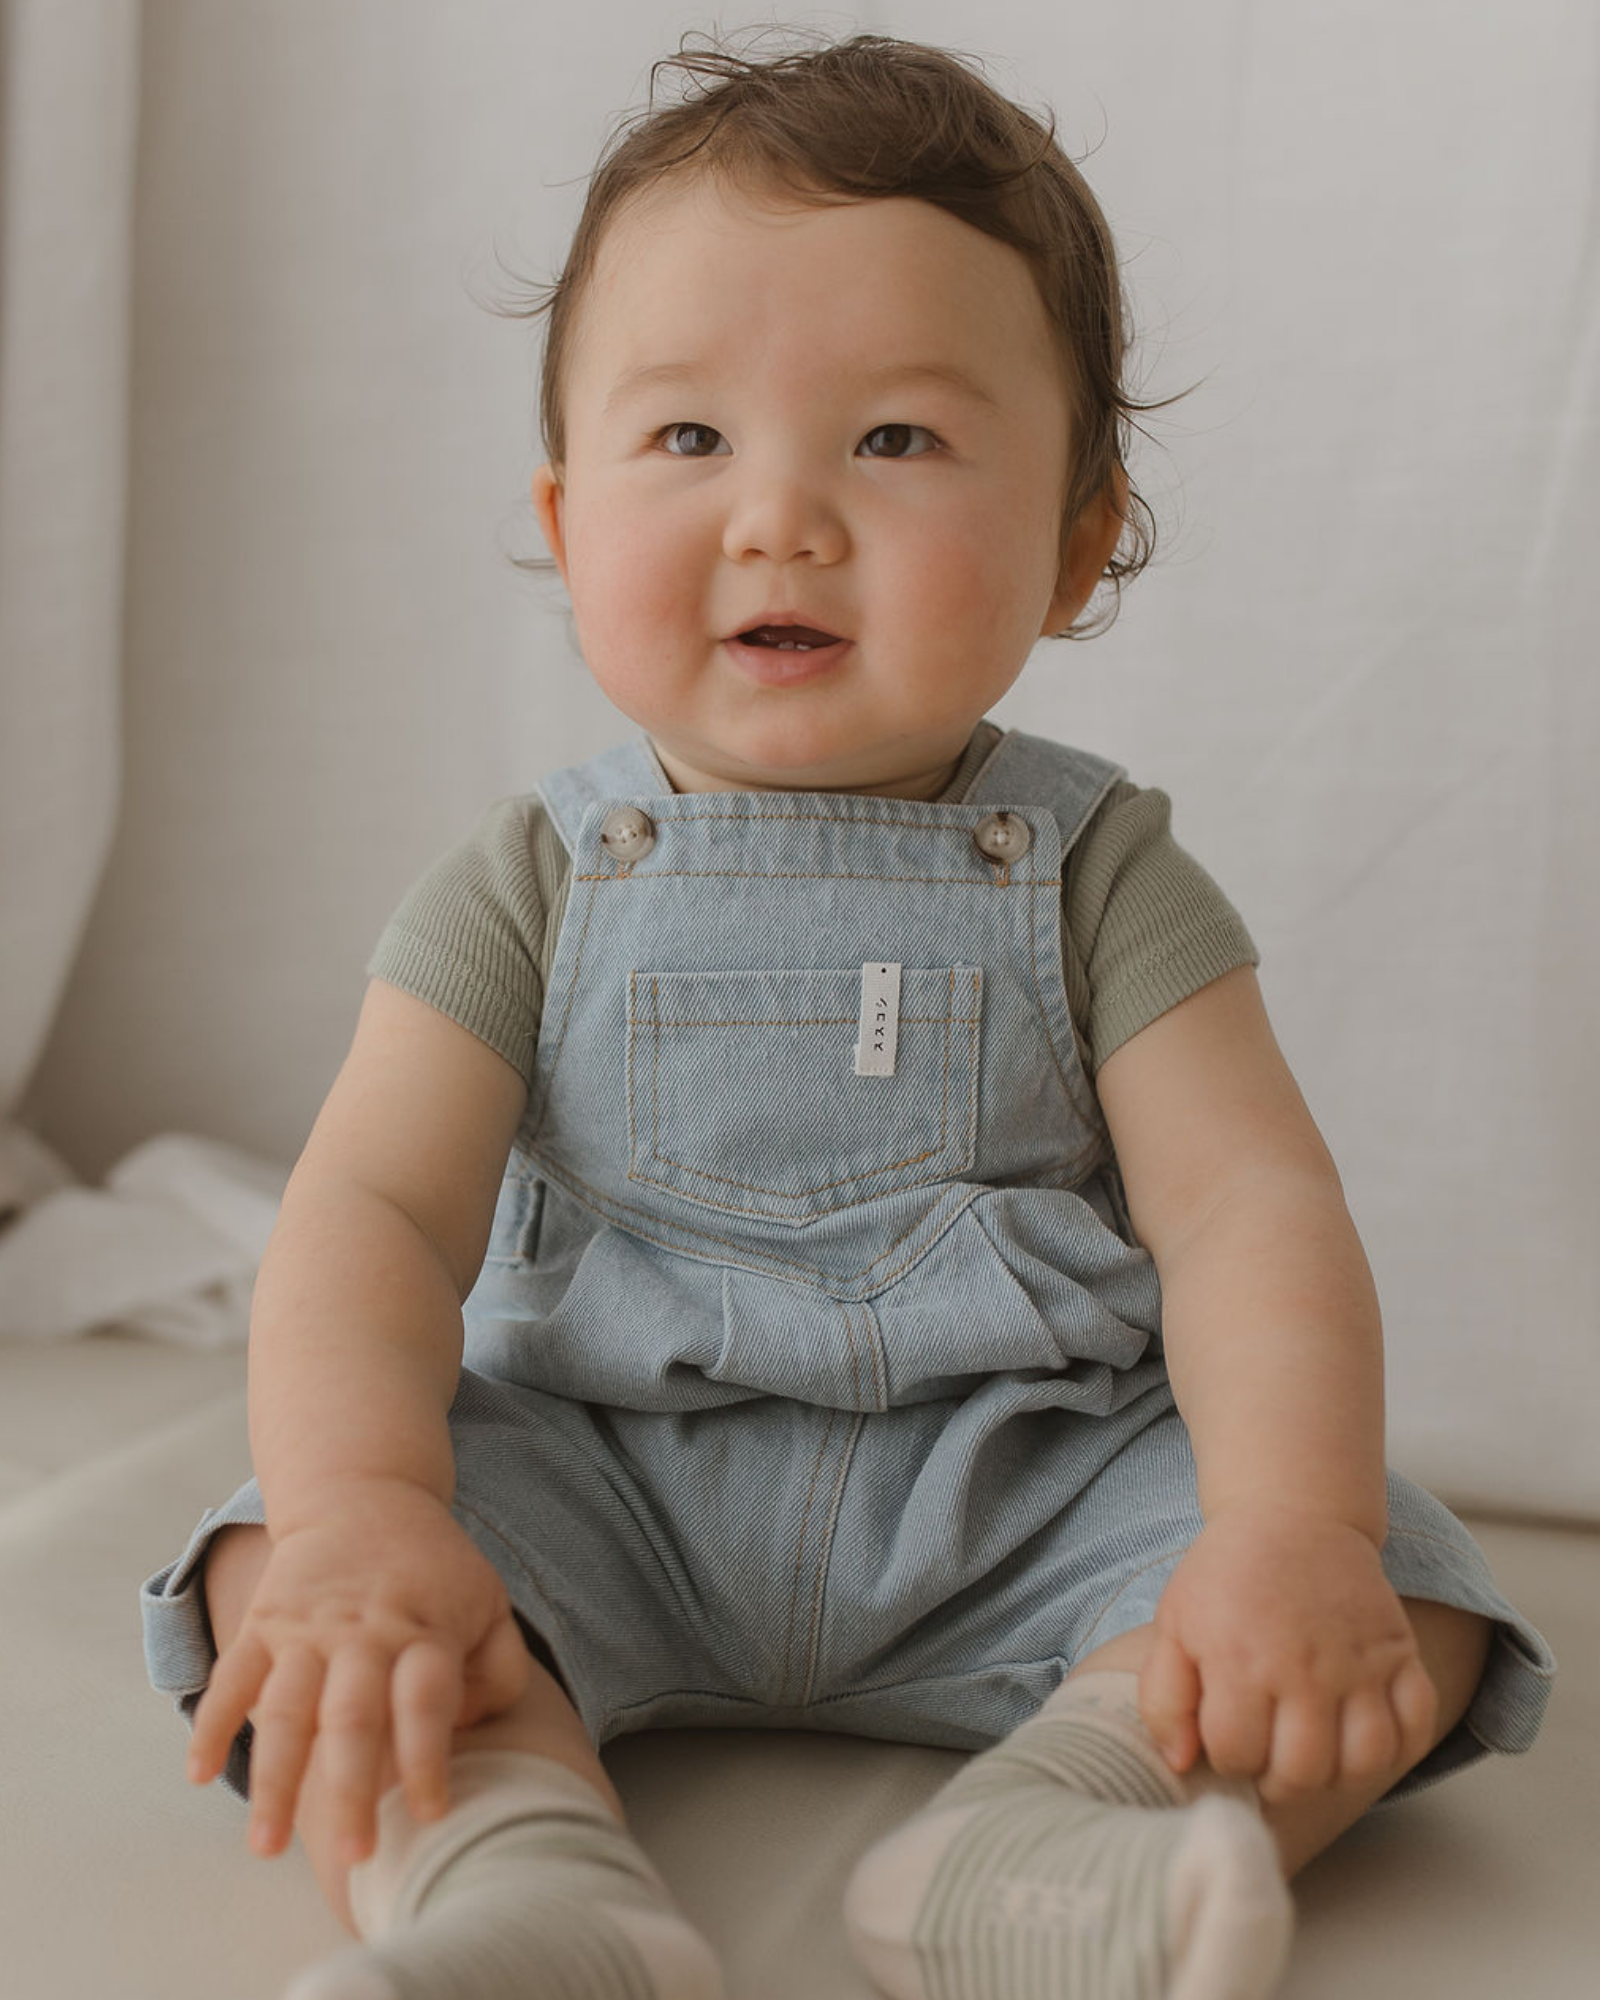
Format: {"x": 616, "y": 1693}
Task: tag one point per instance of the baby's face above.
{"x": 790, "y": 467}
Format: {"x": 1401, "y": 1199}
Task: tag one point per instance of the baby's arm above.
{"x": 1281, "y": 1648}
{"x": 355, "y": 1326}
{"x": 375, "y": 1611}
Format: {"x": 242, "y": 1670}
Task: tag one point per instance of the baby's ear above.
{"x": 1090, "y": 545}
{"x": 548, "y": 499}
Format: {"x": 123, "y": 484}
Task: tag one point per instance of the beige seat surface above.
{"x": 122, "y": 1882}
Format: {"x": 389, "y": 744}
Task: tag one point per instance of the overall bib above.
{"x": 814, "y": 1376}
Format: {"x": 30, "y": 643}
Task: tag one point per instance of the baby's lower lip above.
{"x": 779, "y": 669}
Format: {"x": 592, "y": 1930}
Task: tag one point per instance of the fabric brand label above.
{"x": 880, "y": 1020}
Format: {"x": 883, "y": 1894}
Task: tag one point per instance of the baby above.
{"x": 901, "y": 1288}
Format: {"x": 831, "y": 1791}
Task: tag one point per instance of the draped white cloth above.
{"x": 1363, "y": 667}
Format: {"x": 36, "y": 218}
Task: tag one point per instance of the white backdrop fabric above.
{"x": 1364, "y": 665}
{"x": 69, "y": 91}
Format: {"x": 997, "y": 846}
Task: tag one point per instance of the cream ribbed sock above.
{"x": 529, "y": 1888}
{"x": 1071, "y": 1859}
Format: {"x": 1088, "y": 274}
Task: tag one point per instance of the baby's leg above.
{"x": 543, "y": 1722}
{"x": 1071, "y": 1857}
{"x": 529, "y": 1886}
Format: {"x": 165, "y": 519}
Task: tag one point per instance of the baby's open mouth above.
{"x": 788, "y": 638}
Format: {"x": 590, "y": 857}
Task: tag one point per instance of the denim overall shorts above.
{"x": 813, "y": 1378}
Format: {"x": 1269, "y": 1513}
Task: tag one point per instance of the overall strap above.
{"x": 1024, "y": 770}
{"x": 1021, "y": 770}
{"x": 629, "y": 770}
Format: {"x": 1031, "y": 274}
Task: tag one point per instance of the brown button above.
{"x": 1002, "y": 836}
{"x": 627, "y": 833}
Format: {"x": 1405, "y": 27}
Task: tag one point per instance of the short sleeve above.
{"x": 1145, "y": 925}
{"x": 469, "y": 935}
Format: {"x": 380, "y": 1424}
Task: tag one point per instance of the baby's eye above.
{"x": 669, "y": 431}
{"x": 880, "y": 429}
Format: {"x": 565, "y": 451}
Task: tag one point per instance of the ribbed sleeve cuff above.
{"x": 1147, "y": 987}
{"x": 421, "y": 968}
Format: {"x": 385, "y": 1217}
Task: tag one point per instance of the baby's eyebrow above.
{"x": 942, "y": 372}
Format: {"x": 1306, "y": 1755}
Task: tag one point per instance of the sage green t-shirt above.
{"x": 1144, "y": 925}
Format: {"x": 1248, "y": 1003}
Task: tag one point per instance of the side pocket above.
{"x": 519, "y": 1207}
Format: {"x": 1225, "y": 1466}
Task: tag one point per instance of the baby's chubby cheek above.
{"x": 979, "y": 583}
{"x": 627, "y": 595}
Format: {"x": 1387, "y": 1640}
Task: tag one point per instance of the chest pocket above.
{"x": 743, "y": 1093}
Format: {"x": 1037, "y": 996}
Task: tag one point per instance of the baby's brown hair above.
{"x": 866, "y": 119}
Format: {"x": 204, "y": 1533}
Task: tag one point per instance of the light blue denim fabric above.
{"x": 800, "y": 1398}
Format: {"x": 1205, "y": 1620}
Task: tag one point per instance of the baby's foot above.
{"x": 528, "y": 1889}
{"x": 1051, "y": 1893}
{"x": 1015, "y": 1884}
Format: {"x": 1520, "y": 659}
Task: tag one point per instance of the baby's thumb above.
{"x": 495, "y": 1673}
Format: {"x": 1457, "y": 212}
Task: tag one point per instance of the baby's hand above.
{"x": 380, "y": 1616}
{"x": 1282, "y": 1651}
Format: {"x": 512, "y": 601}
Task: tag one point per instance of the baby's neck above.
{"x": 930, "y": 784}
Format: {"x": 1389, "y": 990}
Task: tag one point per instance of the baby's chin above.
{"x": 706, "y": 768}
{"x": 777, "y": 762}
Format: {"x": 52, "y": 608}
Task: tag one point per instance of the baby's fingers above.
{"x": 1416, "y": 1703}
{"x": 223, "y": 1708}
{"x": 285, "y": 1723}
{"x": 1236, "y": 1725}
{"x": 1169, "y": 1698}
{"x": 354, "y": 1722}
{"x": 1369, "y": 1737}
{"x": 1383, "y": 1731}
{"x": 496, "y": 1674}
{"x": 1305, "y": 1748}
{"x": 428, "y": 1681}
